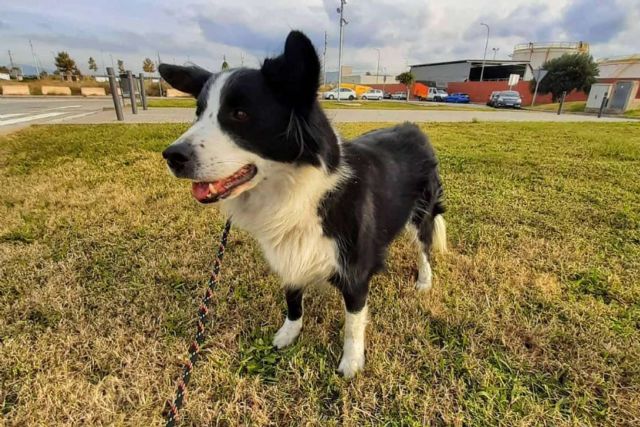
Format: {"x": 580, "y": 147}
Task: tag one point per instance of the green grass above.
{"x": 359, "y": 105}
{"x": 633, "y": 113}
{"x": 569, "y": 107}
{"x": 172, "y": 103}
{"x": 534, "y": 318}
{"x": 578, "y": 107}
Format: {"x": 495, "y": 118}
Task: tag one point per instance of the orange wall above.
{"x": 390, "y": 87}
{"x": 480, "y": 91}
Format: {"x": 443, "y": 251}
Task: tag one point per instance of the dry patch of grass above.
{"x": 534, "y": 317}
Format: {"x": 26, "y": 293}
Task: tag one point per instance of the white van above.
{"x": 435, "y": 94}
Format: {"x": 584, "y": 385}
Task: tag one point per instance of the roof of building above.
{"x": 475, "y": 61}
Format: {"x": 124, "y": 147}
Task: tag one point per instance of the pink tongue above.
{"x": 200, "y": 190}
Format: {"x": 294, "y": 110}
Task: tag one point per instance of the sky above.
{"x": 400, "y": 32}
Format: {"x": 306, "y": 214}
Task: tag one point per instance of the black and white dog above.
{"x": 322, "y": 210}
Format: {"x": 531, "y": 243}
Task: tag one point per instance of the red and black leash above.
{"x": 172, "y": 409}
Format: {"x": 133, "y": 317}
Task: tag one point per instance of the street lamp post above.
{"x": 378, "y": 67}
{"x": 324, "y": 61}
{"x": 35, "y": 60}
{"x": 484, "y": 58}
{"x": 343, "y": 22}
{"x": 495, "y": 50}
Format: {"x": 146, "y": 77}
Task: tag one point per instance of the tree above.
{"x": 406, "y": 79}
{"x": 92, "y": 64}
{"x": 148, "y": 66}
{"x": 64, "y": 64}
{"x": 121, "y": 69}
{"x": 566, "y": 73}
{"x": 4, "y": 69}
{"x": 225, "y": 65}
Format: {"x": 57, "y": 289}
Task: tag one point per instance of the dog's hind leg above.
{"x": 292, "y": 326}
{"x": 423, "y": 245}
{"x": 427, "y": 234}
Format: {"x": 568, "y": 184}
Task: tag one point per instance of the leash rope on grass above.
{"x": 172, "y": 409}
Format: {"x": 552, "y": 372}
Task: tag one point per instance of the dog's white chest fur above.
{"x": 282, "y": 214}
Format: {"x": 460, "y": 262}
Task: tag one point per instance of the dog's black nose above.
{"x": 176, "y": 155}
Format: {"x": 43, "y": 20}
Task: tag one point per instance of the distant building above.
{"x": 536, "y": 54}
{"x": 620, "y": 68}
{"x": 440, "y": 74}
{"x": 369, "y": 79}
{"x": 526, "y": 57}
{"x": 619, "y": 77}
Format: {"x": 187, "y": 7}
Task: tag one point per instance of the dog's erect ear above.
{"x": 186, "y": 79}
{"x": 295, "y": 73}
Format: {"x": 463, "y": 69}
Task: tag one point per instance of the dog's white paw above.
{"x": 351, "y": 364}
{"x": 424, "y": 284}
{"x": 425, "y": 277}
{"x": 288, "y": 333}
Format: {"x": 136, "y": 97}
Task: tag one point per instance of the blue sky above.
{"x": 405, "y": 31}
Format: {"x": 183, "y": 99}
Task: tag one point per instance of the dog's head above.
{"x": 250, "y": 121}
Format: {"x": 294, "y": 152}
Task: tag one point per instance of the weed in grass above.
{"x": 259, "y": 358}
{"x": 593, "y": 283}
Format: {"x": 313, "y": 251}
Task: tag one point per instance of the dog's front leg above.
{"x": 290, "y": 330}
{"x": 355, "y": 301}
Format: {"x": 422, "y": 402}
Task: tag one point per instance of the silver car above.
{"x": 507, "y": 98}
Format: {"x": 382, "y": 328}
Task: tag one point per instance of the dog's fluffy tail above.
{"x": 439, "y": 239}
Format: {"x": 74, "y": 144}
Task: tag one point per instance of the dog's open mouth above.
{"x": 211, "y": 192}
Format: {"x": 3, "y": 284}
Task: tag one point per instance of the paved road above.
{"x": 21, "y": 112}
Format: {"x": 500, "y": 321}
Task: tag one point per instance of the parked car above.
{"x": 507, "y": 98}
{"x": 458, "y": 98}
{"x": 387, "y": 95}
{"x": 399, "y": 95}
{"x": 492, "y": 98}
{"x": 373, "y": 94}
{"x": 345, "y": 93}
{"x": 436, "y": 94}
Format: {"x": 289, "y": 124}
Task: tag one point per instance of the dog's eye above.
{"x": 240, "y": 115}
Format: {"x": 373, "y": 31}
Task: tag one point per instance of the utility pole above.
{"x": 11, "y": 60}
{"x": 484, "y": 58}
{"x": 343, "y": 22}
{"x": 324, "y": 61}
{"x": 35, "y": 60}
{"x": 242, "y": 59}
{"x": 378, "y": 67}
{"x": 384, "y": 79}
